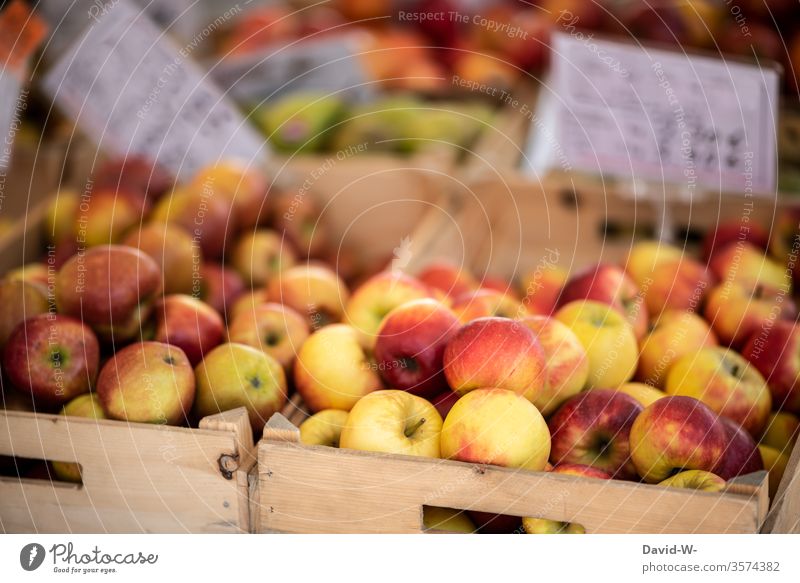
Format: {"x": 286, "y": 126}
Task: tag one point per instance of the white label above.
{"x": 134, "y": 91}
{"x": 656, "y": 116}
{"x": 9, "y": 99}
{"x": 330, "y": 64}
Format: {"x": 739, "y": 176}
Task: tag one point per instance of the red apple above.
{"x": 775, "y": 354}
{"x": 54, "y": 357}
{"x": 483, "y": 303}
{"x": 273, "y": 328}
{"x": 747, "y": 265}
{"x": 495, "y": 352}
{"x": 134, "y": 176}
{"x": 741, "y": 455}
{"x": 189, "y": 324}
{"x": 449, "y": 279}
{"x": 541, "y": 289}
{"x": 730, "y": 232}
{"x": 444, "y": 402}
{"x": 581, "y": 470}
{"x": 219, "y": 287}
{"x": 175, "y": 252}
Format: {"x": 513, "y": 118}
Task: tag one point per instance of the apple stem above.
{"x": 412, "y": 429}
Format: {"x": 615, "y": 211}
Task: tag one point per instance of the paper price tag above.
{"x": 134, "y": 91}
{"x": 656, "y": 116}
{"x": 330, "y": 64}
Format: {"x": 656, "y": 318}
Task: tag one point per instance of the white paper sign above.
{"x": 329, "y": 64}
{"x": 9, "y": 94}
{"x": 656, "y": 116}
{"x": 134, "y": 91}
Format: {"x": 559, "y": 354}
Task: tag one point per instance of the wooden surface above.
{"x": 136, "y": 477}
{"x": 327, "y": 490}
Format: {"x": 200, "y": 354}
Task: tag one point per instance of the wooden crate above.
{"x": 315, "y": 489}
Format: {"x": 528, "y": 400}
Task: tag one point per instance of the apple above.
{"x": 676, "y": 284}
{"x": 737, "y": 312}
{"x": 490, "y": 523}
{"x": 449, "y": 279}
{"x": 379, "y": 295}
{"x": 673, "y": 334}
{"x": 147, "y": 382}
{"x": 541, "y": 289}
{"x": 179, "y": 258}
{"x": 273, "y": 328}
{"x": 580, "y": 470}
{"x": 447, "y": 520}
{"x": 189, "y": 324}
{"x": 729, "y": 232}
{"x": 312, "y": 290}
{"x": 785, "y": 236}
{"x": 135, "y": 177}
{"x": 747, "y": 265}
{"x": 609, "y": 284}
{"x": 410, "y": 344}
{"x": 484, "y": 303}
{"x": 644, "y": 394}
{"x": 260, "y": 255}
{"x": 104, "y": 219}
{"x": 333, "y": 371}
{"x": 323, "y": 428}
{"x": 209, "y": 219}
{"x": 695, "y": 480}
{"x": 533, "y": 525}
{"x": 248, "y": 301}
{"x": 54, "y": 357}
{"x": 741, "y": 452}
{"x": 495, "y": 283}
{"x": 496, "y": 426}
{"x": 592, "y": 429}
{"x": 298, "y": 218}
{"x": 724, "y": 381}
{"x": 244, "y": 185}
{"x": 36, "y": 273}
{"x": 234, "y": 375}
{"x": 484, "y": 68}
{"x": 88, "y": 406}
{"x": 445, "y": 401}
{"x": 219, "y": 287}
{"x": 608, "y": 339}
{"x": 111, "y": 288}
{"x": 644, "y": 258}
{"x": 566, "y": 368}
{"x": 495, "y": 352}
{"x": 775, "y": 462}
{"x": 60, "y": 216}
{"x": 19, "y": 300}
{"x": 392, "y": 421}
{"x": 774, "y": 354}
{"x": 781, "y": 431}
{"x": 675, "y": 434}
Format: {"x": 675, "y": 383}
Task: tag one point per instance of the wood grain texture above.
{"x": 309, "y": 489}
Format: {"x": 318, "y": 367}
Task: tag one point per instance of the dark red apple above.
{"x": 188, "y": 323}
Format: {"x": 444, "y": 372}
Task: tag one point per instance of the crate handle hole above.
{"x": 41, "y": 470}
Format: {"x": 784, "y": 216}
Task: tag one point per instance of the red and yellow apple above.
{"x": 449, "y": 279}
{"x": 484, "y": 303}
{"x": 312, "y": 290}
{"x": 178, "y": 256}
{"x": 274, "y": 328}
{"x": 189, "y": 324}
{"x": 260, "y": 255}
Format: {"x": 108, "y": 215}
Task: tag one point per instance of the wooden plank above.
{"x": 784, "y": 515}
{"x": 345, "y": 491}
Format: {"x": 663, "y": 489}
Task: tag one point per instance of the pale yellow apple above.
{"x": 608, "y": 339}
{"x": 393, "y": 422}
{"x": 333, "y": 369}
{"x": 447, "y": 520}
{"x": 643, "y": 393}
{"x": 323, "y": 428}
{"x": 87, "y": 406}
{"x": 695, "y": 480}
{"x": 499, "y": 427}
{"x": 775, "y": 463}
{"x": 546, "y": 526}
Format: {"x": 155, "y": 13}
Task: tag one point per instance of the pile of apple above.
{"x": 668, "y": 370}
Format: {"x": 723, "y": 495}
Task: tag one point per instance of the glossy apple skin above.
{"x": 675, "y": 434}
{"x": 581, "y": 470}
{"x": 234, "y": 375}
{"x": 392, "y": 421}
{"x": 87, "y": 406}
{"x": 678, "y": 284}
{"x": 147, "y": 382}
{"x": 610, "y": 285}
{"x": 188, "y": 323}
{"x": 608, "y": 339}
{"x": 173, "y": 249}
{"x": 747, "y": 265}
{"x": 54, "y": 357}
{"x": 409, "y": 348}
{"x": 19, "y": 300}
{"x": 695, "y": 480}
{"x": 775, "y": 355}
{"x": 449, "y": 279}
{"x": 111, "y": 288}
{"x": 730, "y": 232}
{"x": 781, "y": 431}
{"x": 737, "y": 312}
{"x": 566, "y": 365}
{"x": 323, "y": 428}
{"x": 471, "y": 432}
{"x": 592, "y": 429}
{"x": 541, "y": 289}
{"x": 741, "y": 454}
{"x": 672, "y": 335}
{"x": 312, "y": 290}
{"x": 332, "y": 369}
{"x": 276, "y": 329}
{"x": 495, "y": 352}
{"x": 724, "y": 381}
{"x": 379, "y": 295}
{"x": 484, "y": 303}
{"x": 219, "y": 287}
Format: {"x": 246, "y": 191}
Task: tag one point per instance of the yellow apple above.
{"x": 695, "y": 480}
{"x": 314, "y": 291}
{"x": 393, "y": 422}
{"x": 546, "y": 526}
{"x": 781, "y": 431}
{"x": 608, "y": 339}
{"x": 87, "y": 406}
{"x": 645, "y": 394}
{"x": 447, "y": 520}
{"x": 323, "y": 428}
